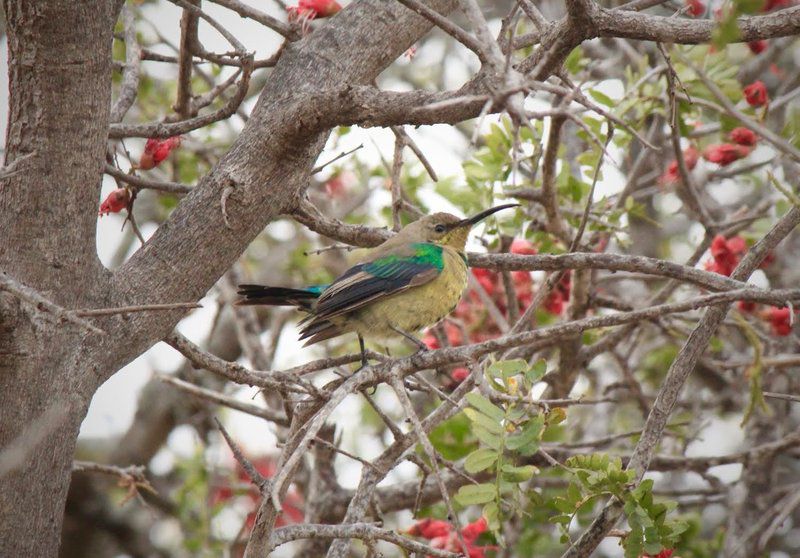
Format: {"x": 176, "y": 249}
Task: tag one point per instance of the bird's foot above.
{"x": 421, "y": 349}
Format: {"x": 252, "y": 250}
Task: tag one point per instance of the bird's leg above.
{"x": 363, "y": 351}
{"x": 422, "y": 346}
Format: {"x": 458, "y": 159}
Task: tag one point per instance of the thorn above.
{"x": 226, "y": 193}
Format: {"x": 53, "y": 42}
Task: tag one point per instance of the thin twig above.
{"x": 220, "y": 399}
{"x": 94, "y": 312}
{"x": 31, "y": 296}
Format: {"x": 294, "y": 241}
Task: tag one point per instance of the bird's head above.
{"x": 446, "y": 229}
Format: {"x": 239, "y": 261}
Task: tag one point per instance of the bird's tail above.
{"x": 278, "y": 296}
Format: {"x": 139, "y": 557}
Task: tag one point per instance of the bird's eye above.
{"x": 439, "y": 228}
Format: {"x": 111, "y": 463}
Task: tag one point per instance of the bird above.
{"x": 409, "y": 282}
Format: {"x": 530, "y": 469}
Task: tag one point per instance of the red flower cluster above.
{"x": 757, "y": 47}
{"x": 115, "y": 202}
{"x": 477, "y": 326}
{"x": 724, "y": 154}
{"x": 292, "y": 505}
{"x": 559, "y": 297}
{"x": 666, "y": 553}
{"x": 756, "y": 94}
{"x": 306, "y": 10}
{"x": 695, "y": 8}
{"x": 743, "y": 136}
{"x": 725, "y": 254}
{"x": 443, "y": 536}
{"x": 780, "y": 320}
{"x": 673, "y": 174}
{"x": 156, "y": 150}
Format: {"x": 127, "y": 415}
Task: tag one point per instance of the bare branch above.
{"x": 130, "y": 75}
{"x": 31, "y": 296}
{"x": 139, "y": 182}
{"x": 363, "y": 531}
{"x": 224, "y": 400}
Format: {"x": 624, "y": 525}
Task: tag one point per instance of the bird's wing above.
{"x": 387, "y": 274}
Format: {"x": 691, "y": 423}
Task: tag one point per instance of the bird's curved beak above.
{"x": 470, "y": 221}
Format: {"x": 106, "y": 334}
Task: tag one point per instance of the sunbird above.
{"x": 411, "y": 281}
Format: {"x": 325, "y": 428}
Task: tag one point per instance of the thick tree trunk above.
{"x": 60, "y": 93}
{"x": 60, "y": 67}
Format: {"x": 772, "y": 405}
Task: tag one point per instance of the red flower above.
{"x": 430, "y": 528}
{"x": 780, "y": 321}
{"x": 458, "y": 375}
{"x": 559, "y": 296}
{"x": 486, "y": 278}
{"x": 746, "y": 306}
{"x": 431, "y": 341}
{"x": 725, "y": 153}
{"x": 115, "y": 202}
{"x": 756, "y": 94}
{"x": 451, "y": 330}
{"x": 336, "y": 186}
{"x": 743, "y": 136}
{"x": 672, "y": 174}
{"x": 473, "y": 530}
{"x": 666, "y": 553}
{"x": 696, "y": 8}
{"x": 292, "y": 504}
{"x": 770, "y": 5}
{"x": 757, "y": 47}
{"x": 442, "y": 536}
{"x": 691, "y": 156}
{"x": 311, "y": 9}
{"x": 522, "y": 246}
{"x": 156, "y": 150}
{"x": 555, "y": 303}
{"x": 726, "y": 254}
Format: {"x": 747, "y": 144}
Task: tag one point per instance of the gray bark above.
{"x": 60, "y": 80}
{"x": 60, "y": 92}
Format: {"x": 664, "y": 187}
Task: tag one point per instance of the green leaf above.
{"x": 727, "y": 31}
{"x": 563, "y": 518}
{"x": 476, "y": 494}
{"x": 749, "y": 6}
{"x": 487, "y": 438}
{"x": 480, "y": 460}
{"x": 507, "y": 368}
{"x": 485, "y": 406}
{"x": 653, "y": 547}
{"x": 563, "y": 505}
{"x": 535, "y": 372}
{"x": 516, "y": 474}
{"x": 557, "y": 415}
{"x": 602, "y": 98}
{"x": 575, "y": 188}
{"x": 574, "y": 493}
{"x": 574, "y": 62}
{"x": 492, "y": 514}
{"x": 480, "y": 419}
{"x": 527, "y": 442}
{"x": 454, "y": 438}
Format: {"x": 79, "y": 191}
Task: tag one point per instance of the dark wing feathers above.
{"x": 386, "y": 275}
{"x": 368, "y": 282}
{"x": 276, "y": 296}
